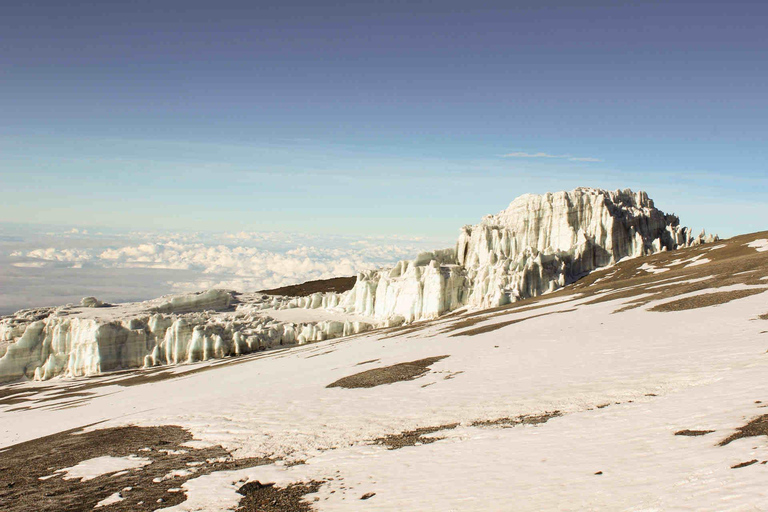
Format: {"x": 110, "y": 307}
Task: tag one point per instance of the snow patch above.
{"x": 198, "y": 444}
{"x": 218, "y": 490}
{"x": 698, "y": 262}
{"x": 173, "y": 452}
{"x": 692, "y": 262}
{"x": 92, "y": 468}
{"x": 684, "y": 281}
{"x": 110, "y": 500}
{"x": 652, "y": 269}
{"x": 761, "y": 245}
{"x": 176, "y": 473}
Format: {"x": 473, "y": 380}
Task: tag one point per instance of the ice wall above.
{"x": 542, "y": 242}
{"x": 536, "y": 245}
{"x": 60, "y": 344}
{"x": 426, "y": 287}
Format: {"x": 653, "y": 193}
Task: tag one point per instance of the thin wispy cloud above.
{"x": 584, "y": 159}
{"x": 524, "y": 154}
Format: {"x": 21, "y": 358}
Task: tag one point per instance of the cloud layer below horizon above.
{"x": 59, "y": 268}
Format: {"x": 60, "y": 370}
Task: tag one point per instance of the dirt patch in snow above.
{"x": 705, "y": 300}
{"x": 418, "y": 437}
{"x": 29, "y": 477}
{"x": 64, "y": 396}
{"x": 387, "y": 375}
{"x": 335, "y": 285}
{"x": 692, "y": 433}
{"x": 17, "y": 395}
{"x": 756, "y": 427}
{"x": 530, "y": 419}
{"x": 321, "y": 354}
{"x": 744, "y": 464}
{"x": 268, "y": 498}
{"x": 413, "y": 437}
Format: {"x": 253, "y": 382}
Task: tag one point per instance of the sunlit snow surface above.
{"x": 761, "y": 245}
{"x": 624, "y": 381}
{"x": 91, "y": 468}
{"x": 707, "y": 375}
{"x": 110, "y": 500}
{"x": 652, "y": 269}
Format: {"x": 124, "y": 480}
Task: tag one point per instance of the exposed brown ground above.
{"x": 533, "y": 419}
{"x": 268, "y": 498}
{"x": 705, "y": 300}
{"x": 756, "y": 427}
{"x": 387, "y": 375}
{"x": 689, "y": 433}
{"x": 733, "y": 264}
{"x": 367, "y": 362}
{"x": 413, "y": 437}
{"x": 14, "y": 395}
{"x": 22, "y": 466}
{"x": 417, "y": 437}
{"x": 337, "y": 285}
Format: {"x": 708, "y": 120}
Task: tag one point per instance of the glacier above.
{"x": 538, "y": 244}
{"x": 81, "y": 340}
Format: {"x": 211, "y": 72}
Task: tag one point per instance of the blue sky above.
{"x": 408, "y": 118}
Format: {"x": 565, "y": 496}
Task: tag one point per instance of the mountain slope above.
{"x": 640, "y": 387}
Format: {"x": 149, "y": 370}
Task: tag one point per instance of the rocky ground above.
{"x": 335, "y": 285}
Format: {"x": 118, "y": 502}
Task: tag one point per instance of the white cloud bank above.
{"x": 61, "y": 268}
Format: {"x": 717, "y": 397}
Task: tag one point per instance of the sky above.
{"x": 369, "y": 119}
{"x": 409, "y": 118}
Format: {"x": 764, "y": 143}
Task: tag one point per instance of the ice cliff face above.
{"x": 47, "y": 342}
{"x": 540, "y": 243}
{"x": 423, "y": 288}
{"x": 536, "y": 245}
